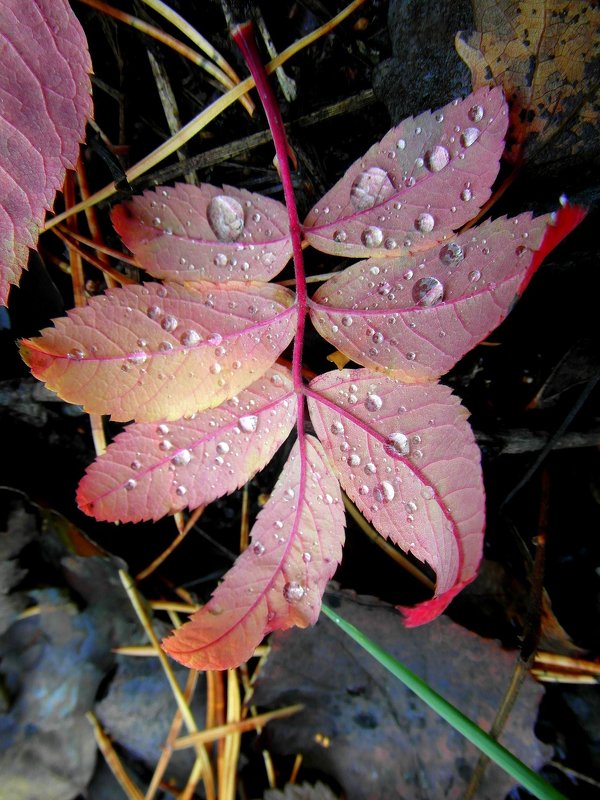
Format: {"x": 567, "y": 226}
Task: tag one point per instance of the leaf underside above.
{"x": 154, "y": 352}
{"x": 155, "y": 469}
{"x": 278, "y": 581}
{"x": 46, "y": 101}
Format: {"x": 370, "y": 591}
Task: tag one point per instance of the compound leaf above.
{"x": 154, "y": 352}
{"x": 407, "y": 458}
{"x": 425, "y": 179}
{"x": 46, "y": 100}
{"x": 279, "y": 580}
{"x": 190, "y": 233}
{"x": 415, "y": 317}
{"x": 151, "y": 470}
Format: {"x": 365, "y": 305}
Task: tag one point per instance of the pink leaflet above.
{"x": 279, "y": 580}
{"x": 155, "y": 469}
{"x": 46, "y": 101}
{"x": 190, "y": 233}
{"x": 425, "y": 179}
{"x": 472, "y": 281}
{"x": 407, "y": 458}
{"x": 155, "y": 352}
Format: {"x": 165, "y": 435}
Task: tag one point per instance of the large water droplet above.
{"x": 466, "y": 195}
{"x": 337, "y": 428}
{"x": 370, "y": 187}
{"x": 226, "y": 218}
{"x": 397, "y": 444}
{"x": 436, "y": 158}
{"x": 130, "y": 484}
{"x": 425, "y": 222}
{"x": 249, "y": 423}
{"x": 181, "y": 459}
{"x": 476, "y": 113}
{"x": 388, "y": 491}
{"x": 372, "y": 236}
{"x": 293, "y": 592}
{"x": 346, "y": 321}
{"x": 428, "y": 292}
{"x": 190, "y": 338}
{"x": 373, "y": 402}
{"x": 469, "y": 136}
{"x": 222, "y": 448}
{"x": 169, "y": 323}
{"x": 451, "y": 254}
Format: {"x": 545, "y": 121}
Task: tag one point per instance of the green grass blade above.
{"x": 495, "y": 751}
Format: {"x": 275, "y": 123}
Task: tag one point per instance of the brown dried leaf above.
{"x": 545, "y": 55}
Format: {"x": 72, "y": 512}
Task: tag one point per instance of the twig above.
{"x": 241, "y": 726}
{"x": 113, "y": 760}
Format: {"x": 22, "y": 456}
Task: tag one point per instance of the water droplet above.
{"x": 162, "y": 429}
{"x": 226, "y": 218}
{"x": 306, "y": 557}
{"x": 520, "y": 250}
{"x": 220, "y": 260}
{"x": 427, "y": 492}
{"x": 428, "y": 292}
{"x": 425, "y": 222}
{"x": 135, "y": 464}
{"x": 130, "y": 484}
{"x": 390, "y": 244}
{"x": 384, "y": 289}
{"x": 469, "y": 136}
{"x": 165, "y": 445}
{"x": 372, "y": 236}
{"x": 466, "y": 195}
{"x": 411, "y": 506}
{"x": 373, "y": 402}
{"x": 370, "y": 187}
{"x": 388, "y": 491}
{"x": 401, "y": 144}
{"x": 76, "y": 355}
{"x": 258, "y": 549}
{"x": 340, "y": 236}
{"x": 408, "y": 275}
{"x": 397, "y": 444}
{"x": 165, "y": 347}
{"x": 364, "y": 489}
{"x": 354, "y": 460}
{"x": 181, "y": 490}
{"x": 249, "y": 424}
{"x": 370, "y": 468}
{"x": 293, "y": 592}
{"x": 214, "y": 339}
{"x": 337, "y": 428}
{"x": 182, "y": 458}
{"x": 139, "y": 357}
{"x": 411, "y": 356}
{"x": 190, "y": 338}
{"x": 476, "y": 113}
{"x": 278, "y": 524}
{"x": 347, "y": 321}
{"x": 289, "y": 494}
{"x": 169, "y": 323}
{"x": 377, "y": 338}
{"x": 436, "y": 158}
{"x": 215, "y": 368}
{"x": 276, "y": 380}
{"x": 374, "y": 270}
{"x": 451, "y": 254}
{"x": 474, "y": 275}
{"x": 222, "y": 448}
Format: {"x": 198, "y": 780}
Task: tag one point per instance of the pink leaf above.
{"x": 151, "y": 352}
{"x": 189, "y": 233}
{"x": 151, "y": 470}
{"x": 415, "y": 317}
{"x": 279, "y": 580}
{"x": 45, "y": 90}
{"x": 425, "y": 179}
{"x": 407, "y": 458}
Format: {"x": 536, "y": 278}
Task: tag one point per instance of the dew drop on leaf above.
{"x": 249, "y": 423}
{"x": 222, "y": 448}
{"x": 165, "y": 445}
{"x": 476, "y": 113}
{"x": 370, "y": 187}
{"x": 466, "y": 195}
{"x": 190, "y": 338}
{"x": 293, "y": 592}
{"x": 181, "y": 490}
{"x": 451, "y": 254}
{"x": 139, "y": 357}
{"x": 226, "y": 218}
{"x": 372, "y": 236}
{"x": 428, "y": 292}
{"x": 436, "y": 158}
{"x": 76, "y": 355}
{"x": 337, "y": 428}
{"x": 130, "y": 484}
{"x": 373, "y": 402}
{"x": 397, "y": 444}
{"x": 258, "y": 549}
{"x": 169, "y": 323}
{"x": 340, "y": 236}
{"x": 469, "y": 136}
{"x": 474, "y": 275}
{"x": 182, "y": 458}
{"x": 425, "y": 222}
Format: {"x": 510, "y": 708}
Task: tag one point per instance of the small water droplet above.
{"x": 370, "y": 468}
{"x": 347, "y": 321}
{"x": 181, "y": 490}
{"x": 293, "y": 592}
{"x": 76, "y": 354}
{"x": 139, "y": 357}
{"x": 364, "y": 489}
{"x": 397, "y": 444}
{"x": 249, "y": 423}
{"x": 258, "y": 549}
{"x": 165, "y": 445}
{"x": 476, "y": 113}
{"x": 466, "y": 195}
{"x": 215, "y": 368}
{"x": 337, "y": 428}
{"x": 165, "y": 347}
{"x": 135, "y": 464}
{"x": 411, "y": 355}
{"x": 289, "y": 494}
{"x": 354, "y": 460}
{"x": 373, "y": 402}
{"x": 411, "y": 506}
{"x": 427, "y": 492}
{"x": 451, "y": 254}
{"x": 190, "y": 338}
{"x": 474, "y": 275}
{"x": 428, "y": 292}
{"x": 436, "y": 158}
{"x": 401, "y": 144}
{"x": 425, "y": 222}
{"x": 370, "y": 187}
{"x": 130, "y": 484}
{"x": 226, "y": 218}
{"x": 222, "y": 448}
{"x": 169, "y": 323}
{"x": 372, "y": 236}
{"x": 388, "y": 491}
{"x": 520, "y": 250}
{"x": 162, "y": 429}
{"x": 306, "y": 557}
{"x": 182, "y": 458}
{"x": 469, "y": 136}
{"x": 220, "y": 260}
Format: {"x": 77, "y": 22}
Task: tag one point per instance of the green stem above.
{"x": 529, "y": 779}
